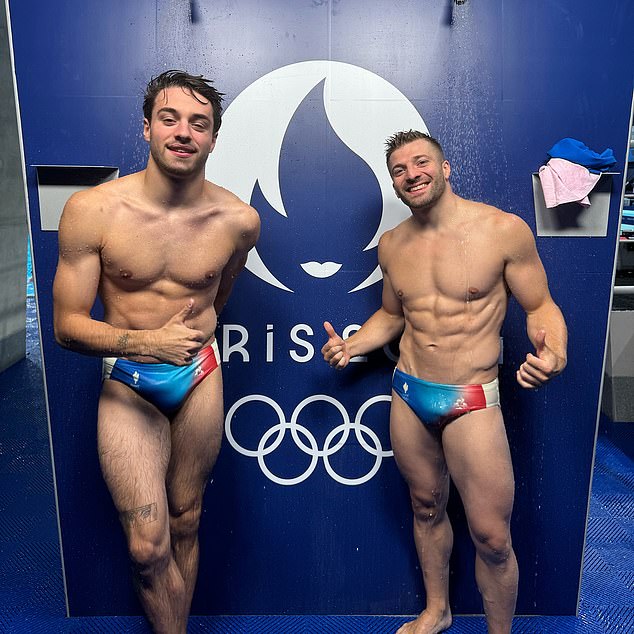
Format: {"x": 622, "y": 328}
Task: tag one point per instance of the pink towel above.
{"x": 566, "y": 182}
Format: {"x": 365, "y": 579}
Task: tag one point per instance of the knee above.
{"x": 149, "y": 551}
{"x": 493, "y": 546}
{"x": 428, "y": 508}
{"x": 185, "y": 520}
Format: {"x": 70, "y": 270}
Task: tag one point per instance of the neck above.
{"x": 170, "y": 191}
{"x": 440, "y": 213}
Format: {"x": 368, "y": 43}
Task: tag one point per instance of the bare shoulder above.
{"x": 81, "y": 225}
{"x": 496, "y": 222}
{"x": 509, "y": 231}
{"x": 234, "y": 211}
{"x": 84, "y": 211}
{"x": 102, "y": 197}
{"x": 83, "y": 202}
{"x": 393, "y": 238}
{"x": 87, "y": 214}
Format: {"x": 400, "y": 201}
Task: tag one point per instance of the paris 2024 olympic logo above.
{"x": 362, "y": 110}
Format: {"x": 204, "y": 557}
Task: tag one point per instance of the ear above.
{"x": 446, "y": 169}
{"x": 146, "y": 129}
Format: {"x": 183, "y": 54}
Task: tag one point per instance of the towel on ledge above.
{"x": 566, "y": 182}
{"x": 578, "y": 152}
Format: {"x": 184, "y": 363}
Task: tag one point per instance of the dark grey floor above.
{"x": 31, "y": 587}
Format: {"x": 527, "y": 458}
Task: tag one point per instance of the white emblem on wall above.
{"x": 306, "y": 442}
{"x": 363, "y": 110}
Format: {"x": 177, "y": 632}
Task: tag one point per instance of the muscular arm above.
{"x": 381, "y": 328}
{"x": 249, "y": 233}
{"x": 545, "y": 325}
{"x": 76, "y": 283}
{"x": 75, "y": 289}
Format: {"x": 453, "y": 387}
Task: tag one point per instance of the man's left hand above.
{"x": 541, "y": 366}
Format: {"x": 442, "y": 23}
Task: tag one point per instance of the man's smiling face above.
{"x": 419, "y": 174}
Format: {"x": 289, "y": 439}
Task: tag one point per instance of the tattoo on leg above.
{"x": 123, "y": 342}
{"x": 142, "y": 515}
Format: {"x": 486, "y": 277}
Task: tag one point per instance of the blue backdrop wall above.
{"x": 306, "y": 512}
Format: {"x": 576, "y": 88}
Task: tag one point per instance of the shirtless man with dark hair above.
{"x": 448, "y": 271}
{"x": 162, "y": 248}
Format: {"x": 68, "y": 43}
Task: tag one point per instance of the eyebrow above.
{"x": 173, "y": 111}
{"x": 414, "y": 158}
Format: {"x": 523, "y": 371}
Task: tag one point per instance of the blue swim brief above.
{"x": 437, "y": 404}
{"x": 163, "y": 384}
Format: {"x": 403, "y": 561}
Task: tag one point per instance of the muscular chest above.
{"x": 190, "y": 252}
{"x": 452, "y": 268}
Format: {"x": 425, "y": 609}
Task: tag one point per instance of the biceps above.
{"x": 528, "y": 283}
{"x": 75, "y": 285}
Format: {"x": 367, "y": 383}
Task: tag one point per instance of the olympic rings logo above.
{"x": 306, "y": 441}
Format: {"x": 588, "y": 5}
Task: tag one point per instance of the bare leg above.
{"x": 134, "y": 449}
{"x": 420, "y": 458}
{"x": 195, "y": 438}
{"x": 479, "y": 461}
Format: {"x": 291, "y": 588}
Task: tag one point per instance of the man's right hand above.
{"x": 176, "y": 342}
{"x": 335, "y": 350}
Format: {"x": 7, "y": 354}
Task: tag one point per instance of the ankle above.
{"x": 438, "y": 608}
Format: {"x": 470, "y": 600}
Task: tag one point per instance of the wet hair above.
{"x": 398, "y": 139}
{"x": 192, "y": 84}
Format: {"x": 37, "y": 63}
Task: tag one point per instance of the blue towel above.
{"x": 577, "y": 152}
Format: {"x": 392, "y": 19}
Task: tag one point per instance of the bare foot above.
{"x": 427, "y": 624}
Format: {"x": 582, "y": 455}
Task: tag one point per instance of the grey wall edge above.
{"x": 30, "y": 235}
{"x": 605, "y": 351}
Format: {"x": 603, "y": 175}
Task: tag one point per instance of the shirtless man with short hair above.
{"x": 448, "y": 271}
{"x": 162, "y": 248}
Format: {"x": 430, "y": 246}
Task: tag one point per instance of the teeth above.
{"x": 417, "y": 188}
